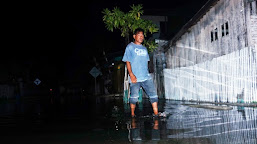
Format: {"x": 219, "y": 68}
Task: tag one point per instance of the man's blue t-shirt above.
{"x": 138, "y": 57}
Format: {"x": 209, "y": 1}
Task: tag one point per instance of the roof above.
{"x": 193, "y": 21}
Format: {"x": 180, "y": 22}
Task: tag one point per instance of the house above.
{"x": 213, "y": 57}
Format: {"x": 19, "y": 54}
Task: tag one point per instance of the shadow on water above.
{"x": 107, "y": 120}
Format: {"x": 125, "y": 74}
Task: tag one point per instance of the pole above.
{"x": 95, "y": 85}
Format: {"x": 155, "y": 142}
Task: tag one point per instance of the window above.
{"x": 216, "y": 34}
{"x": 251, "y": 8}
{"x": 223, "y": 30}
{"x": 227, "y": 31}
{"x": 211, "y": 36}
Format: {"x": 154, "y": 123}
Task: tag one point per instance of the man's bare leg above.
{"x": 155, "y": 108}
{"x": 132, "y": 108}
{"x": 156, "y": 124}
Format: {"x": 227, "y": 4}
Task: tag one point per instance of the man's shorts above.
{"x": 149, "y": 88}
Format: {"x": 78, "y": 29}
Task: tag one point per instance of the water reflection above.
{"x": 238, "y": 125}
{"x": 110, "y": 119}
{"x": 186, "y": 124}
{"x": 134, "y": 132}
{"x": 140, "y": 130}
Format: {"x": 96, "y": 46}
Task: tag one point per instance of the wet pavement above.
{"x": 77, "y": 120}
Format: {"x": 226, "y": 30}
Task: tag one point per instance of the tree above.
{"x": 128, "y": 22}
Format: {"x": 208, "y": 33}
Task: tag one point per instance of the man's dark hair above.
{"x": 138, "y": 30}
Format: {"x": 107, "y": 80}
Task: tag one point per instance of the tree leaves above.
{"x": 128, "y": 22}
{"x": 150, "y": 45}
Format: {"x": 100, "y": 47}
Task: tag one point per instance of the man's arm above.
{"x": 132, "y": 76}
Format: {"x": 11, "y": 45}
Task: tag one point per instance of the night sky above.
{"x": 59, "y": 40}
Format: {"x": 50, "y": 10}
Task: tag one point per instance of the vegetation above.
{"x": 128, "y": 22}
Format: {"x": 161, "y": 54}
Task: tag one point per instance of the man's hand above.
{"x": 133, "y": 78}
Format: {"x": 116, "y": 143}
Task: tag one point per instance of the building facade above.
{"x": 213, "y": 57}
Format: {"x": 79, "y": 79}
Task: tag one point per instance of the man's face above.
{"x": 139, "y": 37}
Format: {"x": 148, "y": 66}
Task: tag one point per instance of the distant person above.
{"x": 137, "y": 58}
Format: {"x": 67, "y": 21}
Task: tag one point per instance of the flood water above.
{"x": 107, "y": 120}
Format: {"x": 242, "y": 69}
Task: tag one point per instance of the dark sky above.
{"x": 62, "y": 38}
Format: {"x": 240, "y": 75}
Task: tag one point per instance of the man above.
{"x": 136, "y": 58}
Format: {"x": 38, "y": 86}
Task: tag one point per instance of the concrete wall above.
{"x": 215, "y": 60}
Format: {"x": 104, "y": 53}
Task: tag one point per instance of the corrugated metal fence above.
{"x": 228, "y": 78}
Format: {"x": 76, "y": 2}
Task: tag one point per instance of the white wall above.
{"x": 222, "y": 79}
{"x": 222, "y": 70}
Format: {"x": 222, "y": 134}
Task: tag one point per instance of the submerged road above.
{"x": 107, "y": 120}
